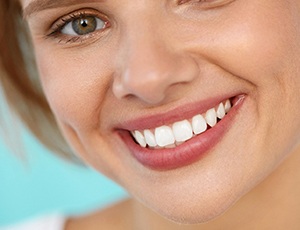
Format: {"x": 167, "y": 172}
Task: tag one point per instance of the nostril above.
{"x": 118, "y": 89}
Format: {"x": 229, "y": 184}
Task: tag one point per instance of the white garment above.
{"x": 52, "y": 222}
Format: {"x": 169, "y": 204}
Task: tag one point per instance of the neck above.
{"x": 273, "y": 204}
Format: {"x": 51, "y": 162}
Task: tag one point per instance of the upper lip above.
{"x": 179, "y": 113}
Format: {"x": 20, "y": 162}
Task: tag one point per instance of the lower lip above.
{"x": 187, "y": 153}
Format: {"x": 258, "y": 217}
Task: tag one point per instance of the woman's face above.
{"x": 112, "y": 68}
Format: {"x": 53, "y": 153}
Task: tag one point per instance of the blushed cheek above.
{"x": 254, "y": 42}
{"x": 264, "y": 50}
{"x": 255, "y": 48}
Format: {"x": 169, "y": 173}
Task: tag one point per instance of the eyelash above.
{"x": 59, "y": 25}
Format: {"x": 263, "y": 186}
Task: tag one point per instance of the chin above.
{"x": 196, "y": 215}
{"x": 188, "y": 209}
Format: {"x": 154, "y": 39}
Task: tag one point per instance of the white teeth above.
{"x": 140, "y": 138}
{"x": 173, "y": 135}
{"x": 164, "y": 136}
{"x": 182, "y": 131}
{"x": 211, "y": 117}
{"x": 227, "y": 106}
{"x": 150, "y": 138}
{"x": 199, "y": 124}
{"x": 221, "y": 111}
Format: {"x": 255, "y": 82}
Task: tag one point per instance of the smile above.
{"x": 182, "y": 136}
{"x": 170, "y": 136}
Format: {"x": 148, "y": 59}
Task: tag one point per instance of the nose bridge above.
{"x": 147, "y": 65}
{"x": 148, "y": 62}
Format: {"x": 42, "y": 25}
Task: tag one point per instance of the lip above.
{"x": 174, "y": 115}
{"x": 190, "y": 151}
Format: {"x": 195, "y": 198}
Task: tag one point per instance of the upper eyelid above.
{"x": 76, "y": 14}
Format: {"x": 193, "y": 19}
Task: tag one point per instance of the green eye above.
{"x": 83, "y": 25}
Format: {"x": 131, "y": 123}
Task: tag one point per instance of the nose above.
{"x": 149, "y": 67}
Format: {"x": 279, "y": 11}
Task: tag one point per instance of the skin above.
{"x": 154, "y": 57}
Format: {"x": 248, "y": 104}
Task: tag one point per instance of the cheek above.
{"x": 260, "y": 47}
{"x": 263, "y": 48}
{"x": 75, "y": 84}
{"x": 251, "y": 42}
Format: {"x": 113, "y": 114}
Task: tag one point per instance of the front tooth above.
{"x": 221, "y": 111}
{"x": 140, "y": 138}
{"x": 227, "y": 106}
{"x": 150, "y": 138}
{"x": 164, "y": 136}
{"x": 211, "y": 117}
{"x": 199, "y": 124}
{"x": 182, "y": 131}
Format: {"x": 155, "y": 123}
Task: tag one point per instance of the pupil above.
{"x": 84, "y": 23}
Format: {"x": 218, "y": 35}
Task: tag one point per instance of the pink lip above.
{"x": 177, "y": 114}
{"x": 188, "y": 152}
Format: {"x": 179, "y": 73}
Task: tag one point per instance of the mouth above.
{"x": 179, "y": 142}
{"x": 172, "y": 135}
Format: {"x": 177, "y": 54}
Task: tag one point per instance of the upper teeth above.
{"x": 181, "y": 131}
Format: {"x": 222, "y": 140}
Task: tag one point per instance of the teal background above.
{"x": 38, "y": 183}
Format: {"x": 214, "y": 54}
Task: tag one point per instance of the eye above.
{"x": 206, "y": 4}
{"x": 83, "y": 25}
{"x": 79, "y": 27}
{"x": 199, "y": 1}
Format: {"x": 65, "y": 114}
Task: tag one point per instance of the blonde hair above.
{"x": 19, "y": 80}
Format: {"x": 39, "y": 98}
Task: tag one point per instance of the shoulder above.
{"x": 115, "y": 217}
{"x": 49, "y": 222}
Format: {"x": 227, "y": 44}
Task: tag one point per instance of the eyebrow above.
{"x": 40, "y": 5}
